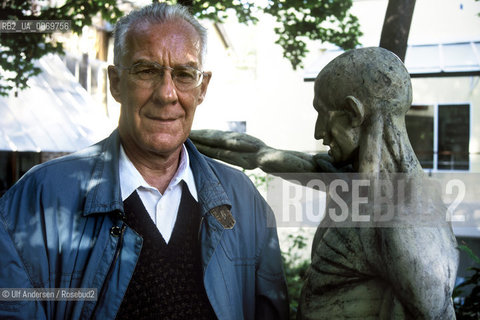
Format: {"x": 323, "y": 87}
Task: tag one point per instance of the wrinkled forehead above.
{"x": 175, "y": 34}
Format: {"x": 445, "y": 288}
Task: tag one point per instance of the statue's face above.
{"x": 334, "y": 126}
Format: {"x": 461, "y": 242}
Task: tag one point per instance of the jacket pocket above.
{"x": 237, "y": 254}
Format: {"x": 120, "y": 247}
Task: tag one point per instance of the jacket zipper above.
{"x": 200, "y": 228}
{"x": 112, "y": 265}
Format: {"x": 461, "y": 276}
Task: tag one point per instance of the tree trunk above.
{"x": 396, "y": 26}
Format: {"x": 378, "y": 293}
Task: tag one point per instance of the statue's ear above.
{"x": 355, "y": 109}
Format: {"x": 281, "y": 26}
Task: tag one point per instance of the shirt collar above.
{"x": 184, "y": 172}
{"x": 131, "y": 179}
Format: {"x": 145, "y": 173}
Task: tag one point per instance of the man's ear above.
{"x": 355, "y": 109}
{"x": 114, "y": 79}
{"x": 204, "y": 86}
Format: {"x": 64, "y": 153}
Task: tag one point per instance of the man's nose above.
{"x": 165, "y": 90}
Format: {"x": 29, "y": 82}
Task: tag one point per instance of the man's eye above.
{"x": 185, "y": 75}
{"x": 151, "y": 71}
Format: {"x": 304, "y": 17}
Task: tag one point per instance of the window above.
{"x": 420, "y": 128}
{"x": 453, "y": 137}
{"x": 440, "y": 135}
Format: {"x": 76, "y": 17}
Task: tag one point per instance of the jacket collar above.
{"x": 103, "y": 191}
{"x": 104, "y": 195}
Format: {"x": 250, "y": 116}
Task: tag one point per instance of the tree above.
{"x": 396, "y": 26}
{"x": 298, "y": 20}
{"x": 18, "y": 50}
{"x": 321, "y": 20}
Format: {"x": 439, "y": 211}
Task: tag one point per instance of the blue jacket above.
{"x": 61, "y": 227}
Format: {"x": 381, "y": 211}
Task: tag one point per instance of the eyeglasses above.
{"x": 148, "y": 74}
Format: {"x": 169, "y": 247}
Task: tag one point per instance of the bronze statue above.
{"x": 401, "y": 270}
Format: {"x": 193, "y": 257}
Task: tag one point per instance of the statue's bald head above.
{"x": 375, "y": 76}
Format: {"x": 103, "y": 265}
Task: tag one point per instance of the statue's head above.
{"x": 353, "y": 91}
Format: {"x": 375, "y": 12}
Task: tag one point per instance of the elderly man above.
{"x": 157, "y": 229}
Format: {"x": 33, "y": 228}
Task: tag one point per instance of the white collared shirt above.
{"x": 161, "y": 208}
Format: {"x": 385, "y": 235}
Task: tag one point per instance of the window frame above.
{"x": 436, "y": 134}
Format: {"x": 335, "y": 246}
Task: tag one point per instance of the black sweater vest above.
{"x": 167, "y": 282}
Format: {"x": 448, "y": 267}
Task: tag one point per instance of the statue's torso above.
{"x": 343, "y": 283}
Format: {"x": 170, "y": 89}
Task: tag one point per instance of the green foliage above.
{"x": 217, "y": 10}
{"x": 323, "y": 20}
{"x": 295, "y": 268}
{"x": 468, "y": 307}
{"x": 298, "y": 20}
{"x": 259, "y": 178}
{"x": 18, "y": 50}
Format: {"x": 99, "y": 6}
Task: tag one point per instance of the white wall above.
{"x": 252, "y": 82}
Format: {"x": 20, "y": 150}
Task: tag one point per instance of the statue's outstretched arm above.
{"x": 249, "y": 153}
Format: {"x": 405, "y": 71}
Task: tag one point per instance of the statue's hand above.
{"x": 284, "y": 161}
{"x": 239, "y": 149}
{"x": 325, "y": 163}
{"x": 228, "y": 140}
{"x": 249, "y": 152}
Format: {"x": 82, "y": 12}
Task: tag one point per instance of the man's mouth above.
{"x": 162, "y": 119}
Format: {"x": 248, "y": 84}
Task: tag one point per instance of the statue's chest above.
{"x": 339, "y": 256}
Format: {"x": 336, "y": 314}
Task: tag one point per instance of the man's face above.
{"x": 335, "y": 128}
{"x": 157, "y": 119}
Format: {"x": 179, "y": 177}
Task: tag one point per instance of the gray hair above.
{"x": 156, "y": 13}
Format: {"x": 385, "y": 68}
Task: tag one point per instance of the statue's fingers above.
{"x": 244, "y": 160}
{"x": 227, "y": 140}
